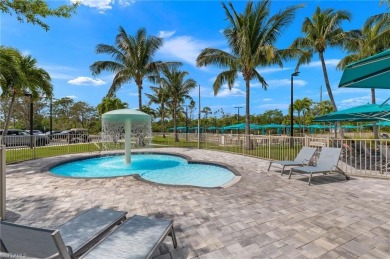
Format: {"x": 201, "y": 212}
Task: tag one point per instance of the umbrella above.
{"x": 273, "y": 125}
{"x": 366, "y": 112}
{"x": 212, "y": 128}
{"x": 381, "y": 124}
{"x": 371, "y": 72}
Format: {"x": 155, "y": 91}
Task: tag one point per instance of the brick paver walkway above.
{"x": 264, "y": 215}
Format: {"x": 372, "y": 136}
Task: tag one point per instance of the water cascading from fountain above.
{"x": 128, "y": 125}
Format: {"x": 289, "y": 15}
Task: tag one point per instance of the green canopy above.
{"x": 273, "y": 125}
{"x": 366, "y": 112}
{"x": 371, "y": 72}
{"x": 241, "y": 126}
{"x": 381, "y": 124}
{"x": 317, "y": 126}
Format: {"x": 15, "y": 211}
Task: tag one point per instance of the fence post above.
{"x": 35, "y": 147}
{"x": 2, "y": 184}
{"x": 269, "y": 146}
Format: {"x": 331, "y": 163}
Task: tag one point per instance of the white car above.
{"x": 17, "y": 137}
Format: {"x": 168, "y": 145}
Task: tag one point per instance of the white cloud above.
{"x": 184, "y": 48}
{"x": 272, "y": 106}
{"x": 225, "y": 92}
{"x": 83, "y": 80}
{"x": 165, "y": 34}
{"x": 71, "y": 96}
{"x": 272, "y": 70}
{"x": 285, "y": 82}
{"x": 267, "y": 99}
{"x": 26, "y": 52}
{"x": 59, "y": 72}
{"x": 356, "y": 101}
{"x": 103, "y": 5}
{"x": 328, "y": 62}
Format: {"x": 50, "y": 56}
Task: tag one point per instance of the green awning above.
{"x": 366, "y": 112}
{"x": 371, "y": 72}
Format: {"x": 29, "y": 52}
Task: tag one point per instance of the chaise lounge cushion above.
{"x": 138, "y": 237}
{"x": 80, "y": 233}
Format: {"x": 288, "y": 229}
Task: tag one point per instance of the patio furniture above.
{"x": 304, "y": 156}
{"x": 326, "y": 163}
{"x": 68, "y": 241}
{"x": 137, "y": 237}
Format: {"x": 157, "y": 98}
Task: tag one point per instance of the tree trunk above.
{"x": 11, "y": 109}
{"x": 174, "y": 123}
{"x": 162, "y": 121}
{"x": 374, "y": 127}
{"x": 321, "y": 54}
{"x": 139, "y": 97}
{"x": 247, "y": 113}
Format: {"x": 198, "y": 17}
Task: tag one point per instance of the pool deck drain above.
{"x": 264, "y": 215}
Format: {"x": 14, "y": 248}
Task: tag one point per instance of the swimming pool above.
{"x": 158, "y": 168}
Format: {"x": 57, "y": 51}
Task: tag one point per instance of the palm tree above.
{"x": 178, "y": 89}
{"x": 16, "y": 85}
{"x": 110, "y": 104}
{"x": 322, "y": 30}
{"x": 132, "y": 59}
{"x": 159, "y": 96}
{"x": 251, "y": 36}
{"x": 372, "y": 38}
{"x": 302, "y": 105}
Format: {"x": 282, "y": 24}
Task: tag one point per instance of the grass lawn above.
{"x": 275, "y": 152}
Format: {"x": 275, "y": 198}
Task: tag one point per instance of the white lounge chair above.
{"x": 68, "y": 241}
{"x": 304, "y": 156}
{"x": 326, "y": 163}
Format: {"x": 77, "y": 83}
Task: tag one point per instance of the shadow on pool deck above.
{"x": 264, "y": 215}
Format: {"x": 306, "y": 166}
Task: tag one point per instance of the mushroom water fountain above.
{"x": 128, "y": 124}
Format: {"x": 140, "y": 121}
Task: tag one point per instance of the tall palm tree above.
{"x": 322, "y": 30}
{"x": 178, "y": 88}
{"x": 16, "y": 85}
{"x": 251, "y": 36}
{"x": 159, "y": 96}
{"x": 132, "y": 59}
{"x": 372, "y": 38}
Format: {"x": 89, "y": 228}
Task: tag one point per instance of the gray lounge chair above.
{"x": 304, "y": 156}
{"x": 136, "y": 238}
{"x": 326, "y": 163}
{"x": 70, "y": 239}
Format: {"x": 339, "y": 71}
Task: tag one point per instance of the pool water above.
{"x": 164, "y": 169}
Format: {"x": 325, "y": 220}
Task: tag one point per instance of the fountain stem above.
{"x": 128, "y": 141}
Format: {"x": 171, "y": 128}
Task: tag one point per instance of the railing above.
{"x": 2, "y": 183}
{"x": 363, "y": 157}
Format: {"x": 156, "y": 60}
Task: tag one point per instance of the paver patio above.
{"x": 264, "y": 215}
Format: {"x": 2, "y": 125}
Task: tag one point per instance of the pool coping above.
{"x": 236, "y": 177}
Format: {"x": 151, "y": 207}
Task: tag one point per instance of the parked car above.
{"x": 73, "y": 136}
{"x": 35, "y": 132}
{"x": 17, "y": 137}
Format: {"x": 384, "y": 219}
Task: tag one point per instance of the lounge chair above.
{"x": 304, "y": 156}
{"x": 326, "y": 163}
{"x": 138, "y": 237}
{"x": 68, "y": 241}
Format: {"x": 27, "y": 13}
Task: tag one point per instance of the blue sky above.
{"x": 68, "y": 49}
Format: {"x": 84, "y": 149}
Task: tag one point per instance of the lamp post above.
{"x": 296, "y": 73}
{"x": 238, "y": 113}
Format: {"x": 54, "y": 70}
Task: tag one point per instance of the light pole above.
{"x": 238, "y": 113}
{"x": 296, "y": 73}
